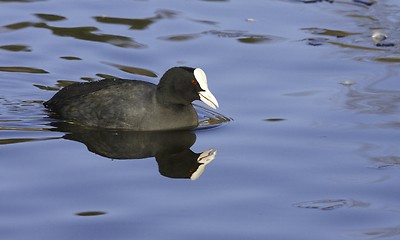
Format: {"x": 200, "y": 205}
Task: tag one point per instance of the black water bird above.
{"x": 134, "y": 104}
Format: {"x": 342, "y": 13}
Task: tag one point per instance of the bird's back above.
{"x": 106, "y": 103}
{"x": 78, "y": 90}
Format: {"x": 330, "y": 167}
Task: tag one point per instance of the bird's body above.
{"x": 132, "y": 104}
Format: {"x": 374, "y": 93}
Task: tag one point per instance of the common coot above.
{"x": 136, "y": 105}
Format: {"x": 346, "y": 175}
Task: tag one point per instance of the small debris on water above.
{"x": 378, "y": 36}
{"x": 347, "y": 83}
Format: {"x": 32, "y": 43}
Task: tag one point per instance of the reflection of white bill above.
{"x": 204, "y": 159}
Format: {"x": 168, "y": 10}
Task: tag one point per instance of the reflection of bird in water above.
{"x": 171, "y": 149}
{"x": 185, "y": 164}
{"x": 136, "y": 105}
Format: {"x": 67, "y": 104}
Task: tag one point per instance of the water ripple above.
{"x": 22, "y": 70}
{"x": 331, "y": 204}
{"x": 241, "y": 36}
{"x": 137, "y": 23}
{"x": 88, "y": 33}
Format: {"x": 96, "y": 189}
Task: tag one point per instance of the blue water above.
{"x": 312, "y": 151}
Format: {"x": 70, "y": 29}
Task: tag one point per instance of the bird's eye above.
{"x": 194, "y": 82}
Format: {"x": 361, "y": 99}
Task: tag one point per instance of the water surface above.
{"x": 312, "y": 151}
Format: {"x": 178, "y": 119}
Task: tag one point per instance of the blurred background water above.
{"x": 312, "y": 151}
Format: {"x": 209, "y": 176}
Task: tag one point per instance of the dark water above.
{"x": 312, "y": 153}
